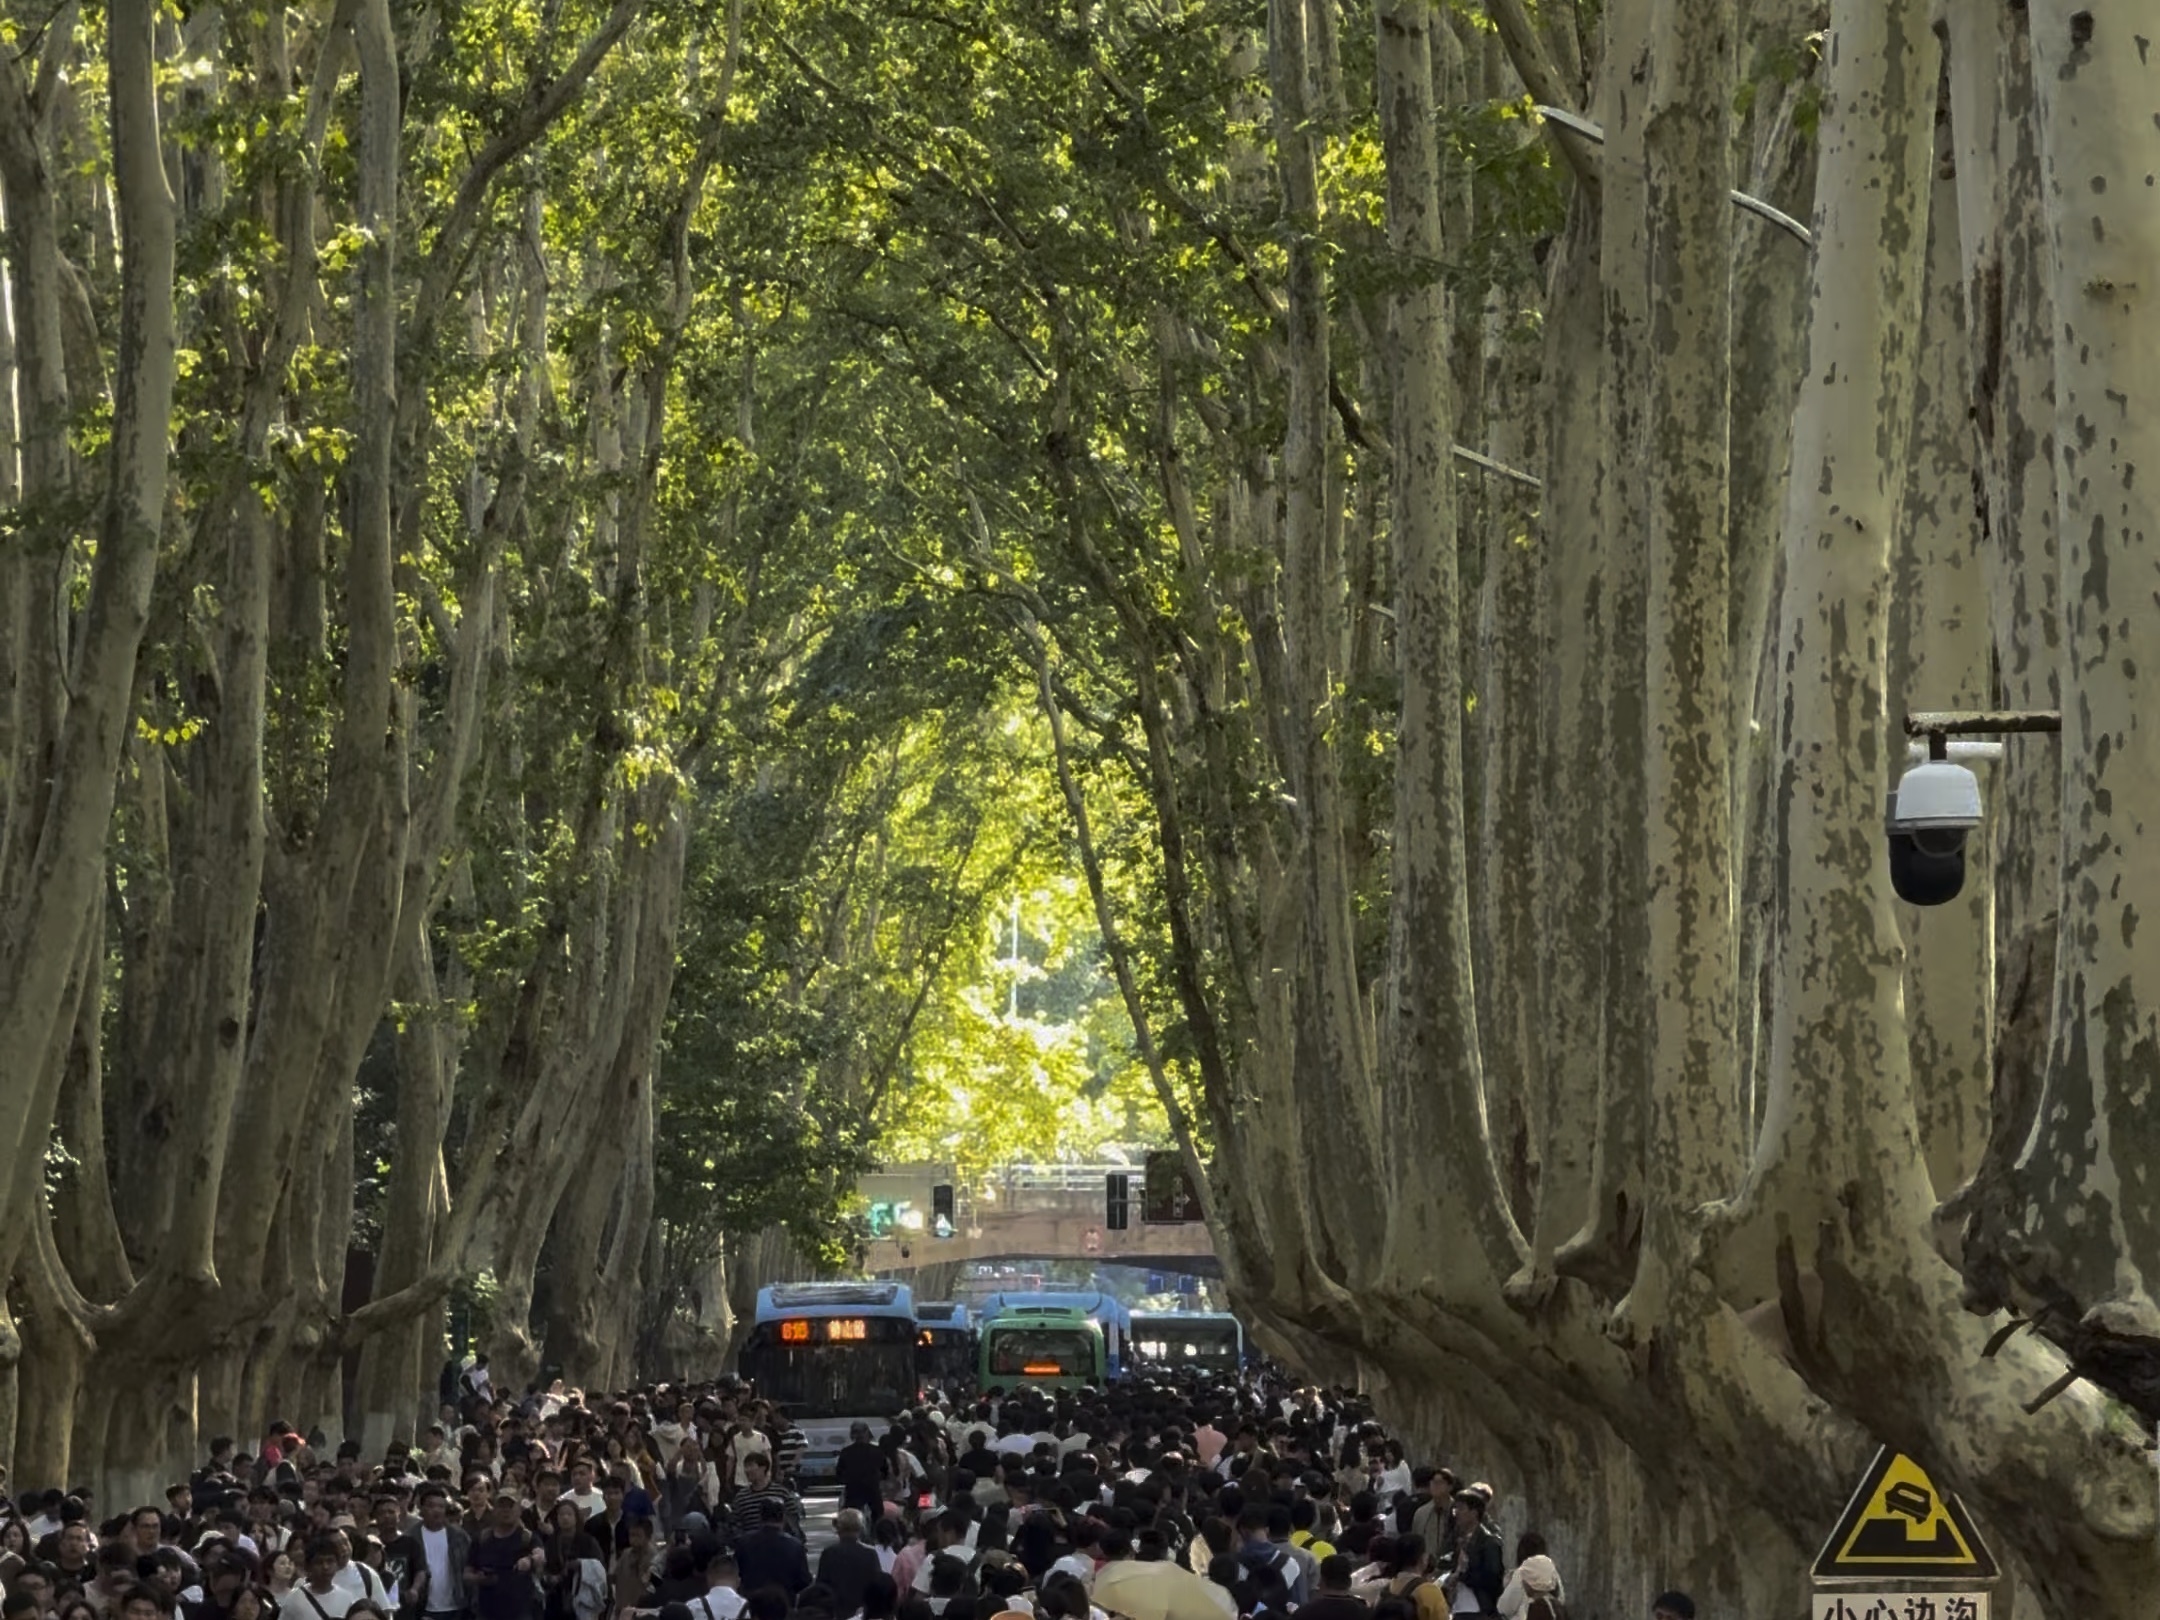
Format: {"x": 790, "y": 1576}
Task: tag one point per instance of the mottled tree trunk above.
{"x": 1692, "y": 1148}
{"x": 2074, "y": 1234}
{"x": 1573, "y": 637}
{"x": 1938, "y": 658}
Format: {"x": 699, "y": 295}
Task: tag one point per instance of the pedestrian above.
{"x": 848, "y": 1564}
{"x": 1534, "y": 1590}
{"x": 861, "y": 1470}
{"x": 1479, "y": 1570}
{"x": 723, "y": 1599}
{"x": 632, "y": 1572}
{"x": 769, "y": 1555}
{"x": 502, "y": 1574}
{"x": 318, "y": 1596}
{"x": 1673, "y": 1606}
{"x": 1333, "y": 1599}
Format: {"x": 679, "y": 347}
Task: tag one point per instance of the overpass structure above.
{"x": 1026, "y": 1212}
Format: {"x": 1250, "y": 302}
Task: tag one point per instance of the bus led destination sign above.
{"x": 831, "y": 1330}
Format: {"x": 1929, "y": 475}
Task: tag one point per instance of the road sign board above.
{"x": 1168, "y": 1197}
{"x": 1898, "y": 1526}
{"x": 1901, "y": 1606}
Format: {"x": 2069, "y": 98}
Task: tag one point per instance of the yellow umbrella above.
{"x": 1160, "y": 1592}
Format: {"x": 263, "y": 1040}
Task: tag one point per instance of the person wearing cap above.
{"x": 1673, "y": 1606}
{"x": 499, "y": 1567}
{"x": 1479, "y": 1571}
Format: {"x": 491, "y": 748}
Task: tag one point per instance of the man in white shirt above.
{"x": 433, "y": 1555}
{"x": 582, "y": 1491}
{"x": 746, "y": 1442}
{"x": 948, "y": 1537}
{"x": 355, "y": 1576}
{"x": 722, "y": 1598}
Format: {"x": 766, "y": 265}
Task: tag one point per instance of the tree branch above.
{"x": 1519, "y": 36}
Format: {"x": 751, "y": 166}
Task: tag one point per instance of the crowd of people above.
{"x": 680, "y": 1503}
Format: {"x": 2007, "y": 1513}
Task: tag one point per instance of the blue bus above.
{"x": 1208, "y": 1343}
{"x": 832, "y": 1354}
{"x": 1107, "y": 1311}
{"x": 944, "y": 1344}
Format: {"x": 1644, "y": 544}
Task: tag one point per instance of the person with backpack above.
{"x": 1534, "y": 1590}
{"x": 1274, "y": 1579}
{"x": 1334, "y": 1600}
{"x": 1410, "y": 1581}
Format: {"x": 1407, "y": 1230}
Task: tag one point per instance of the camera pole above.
{"x": 1939, "y": 726}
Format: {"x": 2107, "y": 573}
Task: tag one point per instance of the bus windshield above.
{"x": 1041, "y": 1352}
{"x": 1207, "y": 1344}
{"x": 868, "y": 1376}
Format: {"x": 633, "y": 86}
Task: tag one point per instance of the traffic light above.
{"x": 941, "y": 1210}
{"x": 1118, "y": 1213}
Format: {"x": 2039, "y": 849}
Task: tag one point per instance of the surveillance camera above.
{"x": 1935, "y": 806}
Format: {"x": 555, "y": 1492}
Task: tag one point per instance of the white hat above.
{"x": 1539, "y": 1575}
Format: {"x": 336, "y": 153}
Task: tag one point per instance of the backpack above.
{"x": 588, "y": 1589}
{"x": 1544, "y": 1608}
{"x": 1271, "y": 1586}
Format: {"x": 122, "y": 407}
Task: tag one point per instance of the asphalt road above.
{"x": 818, "y": 1510}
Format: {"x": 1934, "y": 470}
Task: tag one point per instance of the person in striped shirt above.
{"x": 746, "y": 1509}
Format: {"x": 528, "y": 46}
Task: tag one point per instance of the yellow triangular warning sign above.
{"x": 1899, "y": 1525}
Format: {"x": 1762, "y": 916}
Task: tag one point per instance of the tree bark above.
{"x": 1939, "y": 659}
{"x": 1573, "y": 640}
{"x": 46, "y": 916}
{"x": 2075, "y": 1237}
{"x": 1692, "y": 1139}
{"x": 1605, "y": 1248}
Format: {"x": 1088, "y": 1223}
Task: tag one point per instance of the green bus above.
{"x": 1043, "y": 1345}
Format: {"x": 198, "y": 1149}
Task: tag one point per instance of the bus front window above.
{"x": 871, "y": 1376}
{"x": 1041, "y": 1353}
